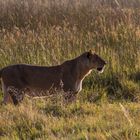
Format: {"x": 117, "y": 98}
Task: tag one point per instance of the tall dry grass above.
{"x": 50, "y": 32}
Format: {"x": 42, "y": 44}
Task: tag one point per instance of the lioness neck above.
{"x": 83, "y": 71}
{"x": 76, "y": 70}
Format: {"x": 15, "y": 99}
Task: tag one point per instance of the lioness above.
{"x": 71, "y": 73}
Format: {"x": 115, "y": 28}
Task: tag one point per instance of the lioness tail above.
{"x": 1, "y": 72}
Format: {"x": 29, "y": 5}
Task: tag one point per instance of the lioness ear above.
{"x": 91, "y": 51}
{"x": 89, "y": 54}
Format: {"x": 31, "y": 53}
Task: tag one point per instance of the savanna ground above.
{"x": 48, "y": 32}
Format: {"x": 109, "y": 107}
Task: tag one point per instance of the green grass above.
{"x": 49, "y": 33}
{"x": 46, "y": 120}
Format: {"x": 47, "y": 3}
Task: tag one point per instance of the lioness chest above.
{"x": 78, "y": 86}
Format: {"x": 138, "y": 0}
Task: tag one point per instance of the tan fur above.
{"x": 68, "y": 76}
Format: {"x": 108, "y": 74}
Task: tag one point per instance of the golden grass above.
{"x": 43, "y": 120}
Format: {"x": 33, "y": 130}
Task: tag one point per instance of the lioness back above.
{"x": 33, "y": 76}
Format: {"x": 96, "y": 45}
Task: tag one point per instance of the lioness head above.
{"x": 95, "y": 61}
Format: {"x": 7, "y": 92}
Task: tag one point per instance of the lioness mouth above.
{"x": 100, "y": 68}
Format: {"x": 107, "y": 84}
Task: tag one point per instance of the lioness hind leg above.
{"x": 16, "y": 94}
{"x": 7, "y": 97}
